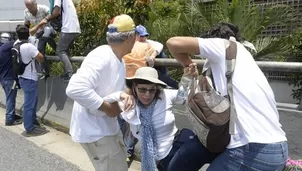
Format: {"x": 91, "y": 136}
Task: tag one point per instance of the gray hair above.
{"x": 32, "y": 1}
{"x": 118, "y": 37}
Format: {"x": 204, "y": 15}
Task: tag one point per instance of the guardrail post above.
{"x": 300, "y": 105}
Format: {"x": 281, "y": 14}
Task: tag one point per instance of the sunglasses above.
{"x": 144, "y": 90}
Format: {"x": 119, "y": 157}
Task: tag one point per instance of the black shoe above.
{"x": 67, "y": 77}
{"x": 17, "y": 117}
{"x": 15, "y": 122}
{"x": 44, "y": 76}
{"x": 35, "y": 132}
{"x": 37, "y": 123}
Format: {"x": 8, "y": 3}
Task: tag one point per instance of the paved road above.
{"x": 19, "y": 154}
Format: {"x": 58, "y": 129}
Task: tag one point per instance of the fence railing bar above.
{"x": 265, "y": 66}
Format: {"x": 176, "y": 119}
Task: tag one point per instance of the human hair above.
{"x": 32, "y": 1}
{"x": 22, "y": 32}
{"x": 140, "y": 81}
{"x": 118, "y": 37}
{"x": 224, "y": 31}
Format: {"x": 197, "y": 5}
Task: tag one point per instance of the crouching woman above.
{"x": 151, "y": 121}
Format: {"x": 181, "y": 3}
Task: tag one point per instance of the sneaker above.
{"x": 37, "y": 123}
{"x": 130, "y": 153}
{"x": 15, "y": 122}
{"x": 67, "y": 77}
{"x": 35, "y": 132}
{"x": 17, "y": 117}
{"x": 44, "y": 77}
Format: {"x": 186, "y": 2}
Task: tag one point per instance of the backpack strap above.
{"x": 62, "y": 10}
{"x": 19, "y": 44}
{"x": 231, "y": 53}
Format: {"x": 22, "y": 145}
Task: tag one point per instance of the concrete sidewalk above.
{"x": 60, "y": 144}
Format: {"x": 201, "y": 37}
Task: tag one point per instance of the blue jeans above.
{"x": 163, "y": 73}
{"x": 63, "y": 50}
{"x": 43, "y": 67}
{"x": 30, "y": 89}
{"x": 10, "y": 94}
{"x": 129, "y": 140}
{"x": 187, "y": 154}
{"x": 252, "y": 157}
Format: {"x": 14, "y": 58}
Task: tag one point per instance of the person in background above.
{"x": 93, "y": 122}
{"x": 69, "y": 31}
{"x": 259, "y": 142}
{"x": 8, "y": 80}
{"x": 29, "y": 82}
{"x": 33, "y": 15}
{"x": 142, "y": 36}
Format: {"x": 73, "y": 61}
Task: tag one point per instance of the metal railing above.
{"x": 265, "y": 66}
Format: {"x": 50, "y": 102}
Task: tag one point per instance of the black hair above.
{"x": 224, "y": 31}
{"x": 22, "y": 32}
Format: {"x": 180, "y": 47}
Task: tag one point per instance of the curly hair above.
{"x": 225, "y": 31}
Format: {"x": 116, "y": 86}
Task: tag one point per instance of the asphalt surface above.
{"x": 19, "y": 154}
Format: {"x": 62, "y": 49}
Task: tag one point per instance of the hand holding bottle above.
{"x": 191, "y": 70}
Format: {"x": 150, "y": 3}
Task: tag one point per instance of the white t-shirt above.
{"x": 100, "y": 75}
{"x": 257, "y": 119}
{"x": 163, "y": 121}
{"x": 70, "y": 22}
{"x": 156, "y": 45}
{"x": 28, "y": 53}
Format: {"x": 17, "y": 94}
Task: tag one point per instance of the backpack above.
{"x": 137, "y": 57}
{"x": 18, "y": 65}
{"x": 57, "y": 22}
{"x": 211, "y": 114}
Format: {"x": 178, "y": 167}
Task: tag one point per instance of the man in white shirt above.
{"x": 33, "y": 15}
{"x": 28, "y": 82}
{"x": 93, "y": 122}
{"x": 258, "y": 143}
{"x": 69, "y": 31}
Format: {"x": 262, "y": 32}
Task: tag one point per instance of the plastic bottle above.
{"x": 179, "y": 104}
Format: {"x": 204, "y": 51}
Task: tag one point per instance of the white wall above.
{"x": 13, "y": 9}
{"x": 283, "y": 91}
{"x": 12, "y": 13}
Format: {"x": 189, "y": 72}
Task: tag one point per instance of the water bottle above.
{"x": 179, "y": 104}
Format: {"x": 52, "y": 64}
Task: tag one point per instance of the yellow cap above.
{"x": 121, "y": 23}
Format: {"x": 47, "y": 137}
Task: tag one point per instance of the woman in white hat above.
{"x": 153, "y": 123}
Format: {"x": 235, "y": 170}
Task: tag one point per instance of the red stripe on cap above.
{"x": 112, "y": 20}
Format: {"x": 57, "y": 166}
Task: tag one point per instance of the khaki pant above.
{"x": 106, "y": 154}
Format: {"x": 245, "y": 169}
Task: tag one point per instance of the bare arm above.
{"x": 34, "y": 29}
{"x": 55, "y": 13}
{"x": 181, "y": 47}
{"x": 39, "y": 57}
{"x": 111, "y": 109}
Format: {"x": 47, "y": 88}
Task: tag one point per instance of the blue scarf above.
{"x": 148, "y": 137}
